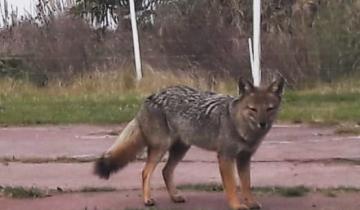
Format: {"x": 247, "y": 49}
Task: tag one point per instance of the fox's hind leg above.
{"x": 176, "y": 154}
{"x": 154, "y": 156}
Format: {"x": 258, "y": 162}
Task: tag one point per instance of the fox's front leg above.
{"x": 176, "y": 153}
{"x": 227, "y": 166}
{"x": 243, "y": 166}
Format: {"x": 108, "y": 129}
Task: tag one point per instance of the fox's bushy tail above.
{"x": 124, "y": 150}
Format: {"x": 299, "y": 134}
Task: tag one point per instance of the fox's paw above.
{"x": 241, "y": 207}
{"x": 178, "y": 199}
{"x": 254, "y": 205}
{"x": 149, "y": 202}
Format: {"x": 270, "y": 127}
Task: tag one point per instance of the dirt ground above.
{"x": 59, "y": 157}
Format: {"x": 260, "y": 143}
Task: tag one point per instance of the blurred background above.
{"x": 304, "y": 40}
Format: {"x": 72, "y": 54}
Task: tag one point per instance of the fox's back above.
{"x": 190, "y": 115}
{"x": 186, "y": 102}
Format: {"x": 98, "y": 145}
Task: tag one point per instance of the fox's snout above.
{"x": 262, "y": 125}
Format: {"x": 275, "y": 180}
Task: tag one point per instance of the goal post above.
{"x": 136, "y": 44}
{"x": 255, "y": 45}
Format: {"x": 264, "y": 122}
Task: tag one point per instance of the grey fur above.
{"x": 177, "y": 117}
{"x": 200, "y": 118}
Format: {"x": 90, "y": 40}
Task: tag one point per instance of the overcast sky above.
{"x": 22, "y": 5}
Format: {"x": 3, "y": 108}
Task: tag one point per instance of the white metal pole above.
{"x": 152, "y": 16}
{"x": 256, "y": 71}
{"x": 251, "y": 56}
{"x": 135, "y": 40}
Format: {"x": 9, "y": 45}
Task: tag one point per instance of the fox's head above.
{"x": 256, "y": 107}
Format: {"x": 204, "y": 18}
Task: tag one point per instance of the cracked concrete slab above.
{"x": 284, "y": 142}
{"x": 76, "y": 176}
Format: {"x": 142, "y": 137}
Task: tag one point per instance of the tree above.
{"x": 104, "y": 12}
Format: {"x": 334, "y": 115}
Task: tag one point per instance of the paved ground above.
{"x": 45, "y": 157}
{"x": 195, "y": 200}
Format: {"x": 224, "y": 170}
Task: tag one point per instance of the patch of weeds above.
{"x": 346, "y": 189}
{"x": 333, "y": 192}
{"x": 95, "y": 208}
{"x": 264, "y": 190}
{"x": 155, "y": 208}
{"x": 209, "y": 187}
{"x": 348, "y": 130}
{"x": 329, "y": 193}
{"x": 150, "y": 208}
{"x": 61, "y": 159}
{"x": 97, "y": 189}
{"x": 297, "y": 191}
{"x": 21, "y": 192}
{"x": 345, "y": 161}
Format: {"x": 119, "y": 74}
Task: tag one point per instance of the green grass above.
{"x": 97, "y": 109}
{"x": 316, "y": 107}
{"x": 108, "y": 99}
{"x": 21, "y": 192}
{"x": 48, "y": 109}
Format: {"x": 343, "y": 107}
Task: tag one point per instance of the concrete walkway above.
{"x": 48, "y": 157}
{"x": 290, "y": 155}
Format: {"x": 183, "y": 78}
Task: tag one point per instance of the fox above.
{"x": 178, "y": 117}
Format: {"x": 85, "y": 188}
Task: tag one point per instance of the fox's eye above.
{"x": 252, "y": 108}
{"x": 270, "y": 108}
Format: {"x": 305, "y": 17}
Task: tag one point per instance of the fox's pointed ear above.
{"x": 245, "y": 86}
{"x": 277, "y": 86}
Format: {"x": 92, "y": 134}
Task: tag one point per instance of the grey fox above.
{"x": 177, "y": 117}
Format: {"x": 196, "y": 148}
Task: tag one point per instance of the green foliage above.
{"x": 11, "y": 67}
{"x": 105, "y": 11}
{"x": 16, "y": 68}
